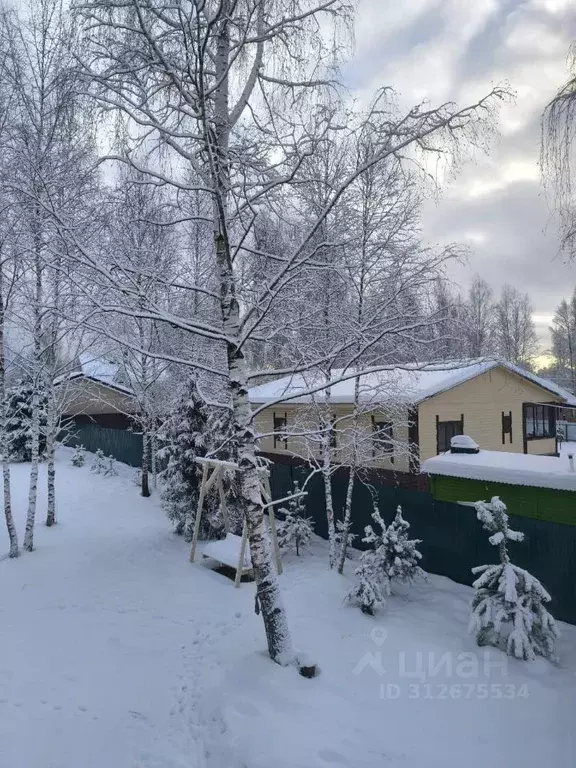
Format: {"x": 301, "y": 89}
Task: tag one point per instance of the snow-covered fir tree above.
{"x": 508, "y": 609}
{"x": 186, "y": 437}
{"x": 393, "y": 557}
{"x": 368, "y": 592}
{"x": 99, "y": 463}
{"x": 78, "y": 458}
{"x": 399, "y": 552}
{"x": 19, "y": 421}
{"x": 295, "y": 531}
{"x": 110, "y": 467}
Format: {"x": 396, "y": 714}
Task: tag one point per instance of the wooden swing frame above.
{"x": 209, "y": 479}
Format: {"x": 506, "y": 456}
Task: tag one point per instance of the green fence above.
{"x": 125, "y": 446}
{"x": 452, "y": 538}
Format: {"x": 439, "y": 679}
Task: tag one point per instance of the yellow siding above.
{"x": 301, "y": 419}
{"x": 482, "y": 401}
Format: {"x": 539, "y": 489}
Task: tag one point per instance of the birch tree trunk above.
{"x": 33, "y": 488}
{"x": 327, "y": 479}
{"x": 268, "y": 597}
{"x": 51, "y": 428}
{"x": 35, "y": 425}
{"x": 145, "y": 487}
{"x": 346, "y": 523}
{"x": 12, "y": 533}
{"x": 154, "y": 460}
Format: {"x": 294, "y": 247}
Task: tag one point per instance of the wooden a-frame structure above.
{"x": 212, "y": 475}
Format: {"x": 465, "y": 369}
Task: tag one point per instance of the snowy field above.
{"x": 115, "y": 652}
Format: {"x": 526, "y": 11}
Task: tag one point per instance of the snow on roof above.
{"x": 98, "y": 368}
{"x": 410, "y": 384}
{"x": 503, "y": 467}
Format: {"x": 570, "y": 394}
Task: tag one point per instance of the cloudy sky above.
{"x": 456, "y": 50}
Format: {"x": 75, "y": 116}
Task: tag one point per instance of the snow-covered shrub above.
{"x": 368, "y": 592}
{"x": 508, "y": 608}
{"x": 99, "y": 463}
{"x": 393, "y": 558}
{"x": 400, "y": 553}
{"x": 295, "y": 531}
{"x": 78, "y": 457}
{"x": 110, "y": 468}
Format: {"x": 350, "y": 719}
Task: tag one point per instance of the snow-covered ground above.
{"x": 115, "y": 652}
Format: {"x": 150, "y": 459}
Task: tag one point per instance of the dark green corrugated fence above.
{"x": 125, "y": 446}
{"x": 452, "y": 538}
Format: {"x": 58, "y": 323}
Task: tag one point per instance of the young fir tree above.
{"x": 110, "y": 467}
{"x": 400, "y": 553}
{"x": 393, "y": 557}
{"x": 508, "y": 608}
{"x": 19, "y": 422}
{"x": 78, "y": 458}
{"x": 371, "y": 587}
{"x": 186, "y": 434}
{"x": 368, "y": 592}
{"x": 99, "y": 463}
{"x": 295, "y": 531}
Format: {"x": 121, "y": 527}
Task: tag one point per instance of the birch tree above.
{"x": 515, "y": 331}
{"x": 479, "y": 319}
{"x": 227, "y": 89}
{"x": 563, "y": 333}
{"x": 48, "y": 148}
{"x": 557, "y": 154}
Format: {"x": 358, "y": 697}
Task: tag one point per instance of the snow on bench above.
{"x": 227, "y": 552}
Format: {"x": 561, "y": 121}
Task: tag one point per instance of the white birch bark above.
{"x": 51, "y": 430}
{"x": 10, "y": 525}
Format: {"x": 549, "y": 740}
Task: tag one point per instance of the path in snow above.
{"x": 101, "y": 631}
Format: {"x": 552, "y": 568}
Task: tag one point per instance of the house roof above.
{"x": 98, "y": 370}
{"x": 502, "y": 467}
{"x": 411, "y": 384}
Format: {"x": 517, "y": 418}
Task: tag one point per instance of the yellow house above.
{"x": 408, "y": 414}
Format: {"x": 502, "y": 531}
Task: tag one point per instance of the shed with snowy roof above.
{"x": 92, "y": 393}
{"x": 409, "y": 413}
{"x": 541, "y": 487}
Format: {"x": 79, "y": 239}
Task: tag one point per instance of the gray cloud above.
{"x": 457, "y": 49}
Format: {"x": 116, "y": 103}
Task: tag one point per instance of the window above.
{"x": 280, "y": 438}
{"x": 540, "y": 421}
{"x": 382, "y": 437}
{"x": 445, "y": 431}
{"x": 506, "y": 427}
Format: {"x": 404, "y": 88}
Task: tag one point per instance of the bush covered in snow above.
{"x": 393, "y": 557}
{"x": 110, "y": 467}
{"x": 295, "y": 531}
{"x": 78, "y": 458}
{"x": 508, "y": 609}
{"x": 99, "y": 463}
